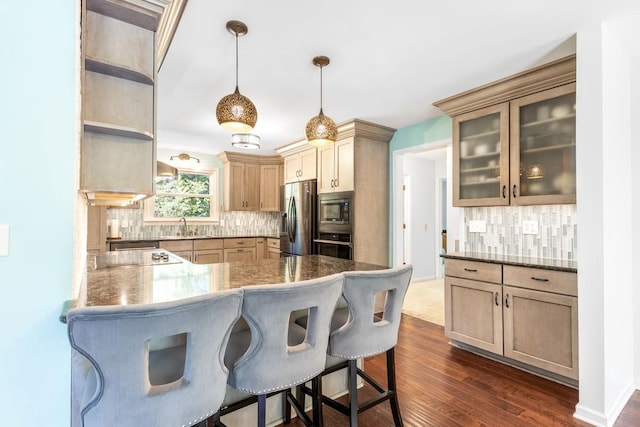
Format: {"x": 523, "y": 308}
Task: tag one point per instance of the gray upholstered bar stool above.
{"x": 275, "y": 354}
{"x": 150, "y": 365}
{"x": 366, "y": 333}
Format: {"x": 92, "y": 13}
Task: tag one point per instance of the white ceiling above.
{"x": 389, "y": 60}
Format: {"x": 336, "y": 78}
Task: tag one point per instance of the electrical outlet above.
{"x": 125, "y": 224}
{"x": 425, "y": 227}
{"x": 478, "y": 226}
{"x": 530, "y": 227}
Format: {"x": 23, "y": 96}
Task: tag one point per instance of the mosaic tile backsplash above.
{"x": 231, "y": 224}
{"x": 557, "y": 236}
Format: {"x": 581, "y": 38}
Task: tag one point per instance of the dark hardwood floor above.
{"x": 440, "y": 385}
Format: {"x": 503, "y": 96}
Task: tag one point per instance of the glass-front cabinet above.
{"x": 543, "y": 147}
{"x": 520, "y": 152}
{"x": 481, "y": 157}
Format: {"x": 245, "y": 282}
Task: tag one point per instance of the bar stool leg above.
{"x": 316, "y": 403}
{"x": 353, "y": 393}
{"x": 262, "y": 410}
{"x": 391, "y": 386}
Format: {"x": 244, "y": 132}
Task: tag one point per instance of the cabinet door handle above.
{"x": 506, "y": 301}
{"x": 337, "y": 182}
{"x": 539, "y": 279}
{"x": 240, "y": 243}
{"x": 504, "y": 191}
{"x": 514, "y": 191}
{"x": 497, "y": 302}
{"x": 472, "y": 270}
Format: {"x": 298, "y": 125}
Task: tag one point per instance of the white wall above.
{"x": 604, "y": 211}
{"x": 37, "y": 153}
{"x": 635, "y": 209}
{"x": 422, "y": 172}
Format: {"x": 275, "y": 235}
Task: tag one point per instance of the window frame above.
{"x": 214, "y": 185}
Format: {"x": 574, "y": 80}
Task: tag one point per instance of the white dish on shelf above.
{"x": 560, "y": 111}
{"x": 481, "y": 149}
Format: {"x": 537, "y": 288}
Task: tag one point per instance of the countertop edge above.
{"x": 542, "y": 263}
{"x": 173, "y": 238}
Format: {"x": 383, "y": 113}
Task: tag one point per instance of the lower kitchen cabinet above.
{"x": 525, "y": 314}
{"x": 240, "y": 249}
{"x": 239, "y": 254}
{"x": 261, "y": 248}
{"x": 208, "y": 251}
{"x": 473, "y": 313}
{"x": 182, "y": 248}
{"x": 273, "y": 248}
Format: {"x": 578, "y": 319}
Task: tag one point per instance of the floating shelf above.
{"x": 110, "y": 129}
{"x": 120, "y": 71}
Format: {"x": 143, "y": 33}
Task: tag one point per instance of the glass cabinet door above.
{"x": 480, "y": 157}
{"x": 543, "y": 147}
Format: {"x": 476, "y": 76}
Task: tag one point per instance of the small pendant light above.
{"x": 236, "y": 112}
{"x": 321, "y": 130}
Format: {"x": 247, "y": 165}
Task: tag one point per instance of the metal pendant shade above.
{"x": 236, "y": 112}
{"x": 321, "y": 130}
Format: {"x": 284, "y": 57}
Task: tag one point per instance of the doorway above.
{"x": 421, "y": 210}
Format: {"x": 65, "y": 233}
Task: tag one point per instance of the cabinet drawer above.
{"x": 273, "y": 243}
{"x": 560, "y": 282}
{"x": 177, "y": 245}
{"x": 208, "y": 244}
{"x": 240, "y": 243}
{"x": 475, "y": 270}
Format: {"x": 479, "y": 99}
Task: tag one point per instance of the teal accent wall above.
{"x": 37, "y": 194}
{"x": 427, "y": 132}
{"x": 422, "y": 133}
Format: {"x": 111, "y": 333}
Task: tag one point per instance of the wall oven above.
{"x": 336, "y": 245}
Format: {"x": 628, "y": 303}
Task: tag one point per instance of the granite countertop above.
{"x": 545, "y": 263}
{"x": 132, "y": 277}
{"x": 175, "y": 237}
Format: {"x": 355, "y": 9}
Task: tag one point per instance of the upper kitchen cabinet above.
{"x": 251, "y": 182}
{"x": 300, "y": 164}
{"x": 335, "y": 166}
{"x": 514, "y": 139}
{"x": 118, "y": 149}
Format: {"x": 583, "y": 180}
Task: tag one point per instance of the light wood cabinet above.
{"x": 273, "y": 248}
{"x": 336, "y": 166}
{"x": 97, "y": 228}
{"x": 182, "y": 248}
{"x": 514, "y": 139}
{"x": 261, "y": 248}
{"x": 243, "y": 183}
{"x": 525, "y": 314}
{"x": 240, "y": 249}
{"x": 270, "y": 188}
{"x": 118, "y": 101}
{"x": 300, "y": 166}
{"x": 208, "y": 251}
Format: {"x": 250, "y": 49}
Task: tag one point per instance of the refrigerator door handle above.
{"x": 293, "y": 218}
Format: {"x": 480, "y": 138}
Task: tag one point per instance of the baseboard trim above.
{"x": 600, "y": 419}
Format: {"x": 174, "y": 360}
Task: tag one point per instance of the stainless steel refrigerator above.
{"x": 298, "y": 225}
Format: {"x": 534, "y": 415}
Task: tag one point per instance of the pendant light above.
{"x": 236, "y": 112}
{"x": 321, "y": 130}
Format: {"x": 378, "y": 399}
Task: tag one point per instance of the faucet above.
{"x": 184, "y": 226}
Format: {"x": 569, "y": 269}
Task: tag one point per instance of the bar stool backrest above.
{"x": 270, "y": 363}
{"x": 119, "y": 379}
{"x": 365, "y": 333}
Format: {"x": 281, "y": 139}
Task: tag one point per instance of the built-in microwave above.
{"x": 335, "y": 212}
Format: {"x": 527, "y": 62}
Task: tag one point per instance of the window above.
{"x": 193, "y": 195}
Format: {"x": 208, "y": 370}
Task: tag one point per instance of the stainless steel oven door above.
{"x": 334, "y": 249}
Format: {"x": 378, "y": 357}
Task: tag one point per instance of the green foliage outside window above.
{"x": 188, "y": 195}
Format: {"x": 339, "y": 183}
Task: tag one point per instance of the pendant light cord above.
{"x": 236, "y": 61}
{"x": 321, "y": 90}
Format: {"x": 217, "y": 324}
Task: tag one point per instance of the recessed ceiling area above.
{"x": 389, "y": 60}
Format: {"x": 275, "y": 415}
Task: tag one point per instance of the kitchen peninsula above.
{"x": 136, "y": 277}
